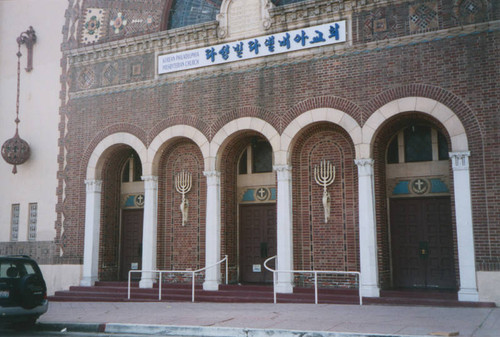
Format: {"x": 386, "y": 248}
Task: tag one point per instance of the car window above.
{"x": 16, "y": 269}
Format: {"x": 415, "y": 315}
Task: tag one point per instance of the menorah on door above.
{"x": 183, "y": 183}
{"x": 324, "y": 176}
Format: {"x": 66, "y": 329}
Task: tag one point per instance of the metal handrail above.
{"x": 315, "y": 272}
{"x": 160, "y": 272}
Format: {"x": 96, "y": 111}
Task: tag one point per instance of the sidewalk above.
{"x": 248, "y": 319}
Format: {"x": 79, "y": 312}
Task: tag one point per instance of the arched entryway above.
{"x": 412, "y": 171}
{"x": 249, "y": 233}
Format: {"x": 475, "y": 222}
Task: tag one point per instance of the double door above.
{"x": 131, "y": 243}
{"x": 257, "y": 241}
{"x": 422, "y": 243}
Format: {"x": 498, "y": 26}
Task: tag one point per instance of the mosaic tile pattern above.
{"x": 86, "y": 78}
{"x": 104, "y": 21}
{"x": 110, "y": 74}
{"x": 381, "y": 23}
{"x": 472, "y": 11}
{"x": 423, "y": 17}
{"x": 93, "y": 25}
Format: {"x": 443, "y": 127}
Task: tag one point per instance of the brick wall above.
{"x": 456, "y": 71}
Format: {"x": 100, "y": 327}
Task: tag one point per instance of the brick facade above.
{"x": 393, "y": 55}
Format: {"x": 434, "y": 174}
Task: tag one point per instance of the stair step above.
{"x": 118, "y": 292}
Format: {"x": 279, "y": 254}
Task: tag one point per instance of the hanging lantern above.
{"x": 15, "y": 150}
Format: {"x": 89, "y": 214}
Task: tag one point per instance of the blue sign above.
{"x": 279, "y": 43}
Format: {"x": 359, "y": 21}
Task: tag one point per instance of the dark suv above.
{"x": 23, "y": 293}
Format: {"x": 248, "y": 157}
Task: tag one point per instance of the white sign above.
{"x": 256, "y": 268}
{"x": 279, "y": 43}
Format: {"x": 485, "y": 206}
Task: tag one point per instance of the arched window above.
{"x": 417, "y": 143}
{"x": 256, "y": 158}
{"x": 132, "y": 170}
{"x": 190, "y": 12}
{"x": 284, "y": 2}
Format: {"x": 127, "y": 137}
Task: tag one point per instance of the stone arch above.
{"x": 432, "y": 107}
{"x": 331, "y": 115}
{"x": 150, "y": 167}
{"x": 97, "y": 158}
{"x": 222, "y": 137}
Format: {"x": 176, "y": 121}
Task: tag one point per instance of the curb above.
{"x": 199, "y": 331}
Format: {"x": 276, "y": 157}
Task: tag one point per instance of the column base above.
{"x": 284, "y": 287}
{"x": 146, "y": 283}
{"x": 88, "y": 281}
{"x": 369, "y": 291}
{"x": 468, "y": 295}
{"x": 211, "y": 285}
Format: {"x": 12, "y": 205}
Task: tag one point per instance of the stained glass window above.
{"x": 262, "y": 157}
{"x": 418, "y": 144}
{"x": 284, "y": 2}
{"x": 191, "y": 12}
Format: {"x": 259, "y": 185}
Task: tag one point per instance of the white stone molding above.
{"x": 284, "y": 228}
{"x": 367, "y": 230}
{"x": 97, "y": 158}
{"x": 92, "y": 231}
{"x": 241, "y": 124}
{"x": 465, "y": 233}
{"x": 213, "y": 231}
{"x": 265, "y": 6}
{"x": 330, "y": 115}
{"x": 439, "y": 111}
{"x": 170, "y": 133}
{"x": 149, "y": 231}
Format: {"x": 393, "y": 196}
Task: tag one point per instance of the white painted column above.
{"x": 367, "y": 229}
{"x": 465, "y": 234}
{"x": 149, "y": 232}
{"x": 213, "y": 231}
{"x": 284, "y": 228}
{"x": 92, "y": 230}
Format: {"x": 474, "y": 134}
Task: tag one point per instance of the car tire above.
{"x": 32, "y": 289}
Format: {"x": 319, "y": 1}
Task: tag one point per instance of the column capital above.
{"x": 460, "y": 160}
{"x": 213, "y": 177}
{"x": 150, "y": 182}
{"x": 365, "y": 166}
{"x": 283, "y": 172}
{"x": 93, "y": 185}
{"x": 210, "y": 174}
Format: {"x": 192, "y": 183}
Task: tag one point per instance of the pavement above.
{"x": 257, "y": 319}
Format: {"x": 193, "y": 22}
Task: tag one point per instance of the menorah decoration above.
{"x": 324, "y": 176}
{"x": 183, "y": 183}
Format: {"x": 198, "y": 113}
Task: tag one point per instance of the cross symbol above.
{"x": 262, "y": 193}
{"x": 140, "y": 199}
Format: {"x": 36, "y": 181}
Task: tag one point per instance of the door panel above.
{"x": 422, "y": 243}
{"x": 131, "y": 243}
{"x": 257, "y": 241}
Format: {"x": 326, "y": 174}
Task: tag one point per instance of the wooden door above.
{"x": 257, "y": 241}
{"x": 131, "y": 243}
{"x": 422, "y": 243}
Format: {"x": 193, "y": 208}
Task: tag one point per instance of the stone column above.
{"x": 212, "y": 232}
{"x": 284, "y": 228}
{"x": 367, "y": 230}
{"x": 92, "y": 230}
{"x": 149, "y": 232}
{"x": 465, "y": 234}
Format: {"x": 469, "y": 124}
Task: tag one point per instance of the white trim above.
{"x": 240, "y": 124}
{"x": 150, "y": 166}
{"x": 97, "y": 158}
{"x": 331, "y": 115}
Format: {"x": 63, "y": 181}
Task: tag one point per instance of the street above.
{"x": 4, "y": 332}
